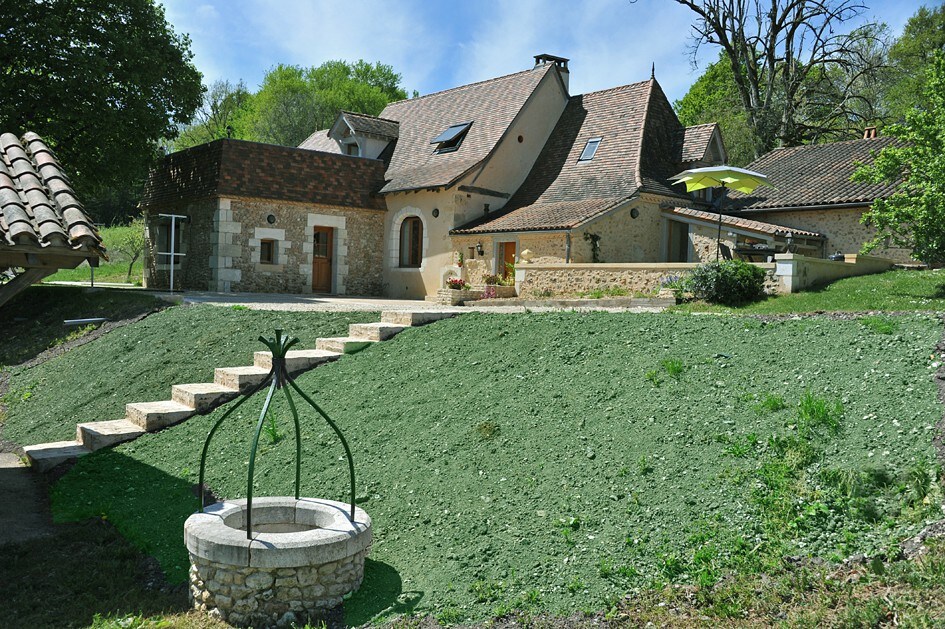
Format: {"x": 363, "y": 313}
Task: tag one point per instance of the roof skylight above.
{"x": 590, "y": 149}
{"x": 450, "y": 139}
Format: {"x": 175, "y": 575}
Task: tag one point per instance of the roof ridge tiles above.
{"x": 468, "y": 85}
{"x": 373, "y": 117}
{"x": 614, "y": 89}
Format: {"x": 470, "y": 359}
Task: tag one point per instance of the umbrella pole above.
{"x": 718, "y": 238}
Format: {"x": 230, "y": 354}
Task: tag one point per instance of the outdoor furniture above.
{"x": 757, "y": 253}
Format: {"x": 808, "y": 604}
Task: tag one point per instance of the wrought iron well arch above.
{"x": 278, "y": 379}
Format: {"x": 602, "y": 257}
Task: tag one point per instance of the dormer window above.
{"x": 450, "y": 139}
{"x": 590, "y": 149}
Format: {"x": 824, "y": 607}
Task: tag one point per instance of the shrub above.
{"x": 492, "y": 279}
{"x": 730, "y": 282}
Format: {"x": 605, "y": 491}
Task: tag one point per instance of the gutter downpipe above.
{"x": 567, "y": 247}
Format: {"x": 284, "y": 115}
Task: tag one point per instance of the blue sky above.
{"x": 439, "y": 44}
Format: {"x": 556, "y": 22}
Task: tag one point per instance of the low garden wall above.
{"x": 546, "y": 280}
{"x": 795, "y": 273}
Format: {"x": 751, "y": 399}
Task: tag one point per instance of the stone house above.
{"x": 460, "y": 183}
{"x": 812, "y": 190}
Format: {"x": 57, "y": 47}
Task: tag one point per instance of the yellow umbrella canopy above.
{"x": 721, "y": 176}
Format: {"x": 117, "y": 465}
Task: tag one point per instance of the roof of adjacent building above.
{"x": 695, "y": 142}
{"x": 490, "y": 105}
{"x": 236, "y": 168}
{"x": 814, "y": 175}
{"x": 37, "y": 203}
{"x": 737, "y": 222}
{"x": 373, "y": 125}
{"x": 638, "y": 151}
{"x": 319, "y": 141}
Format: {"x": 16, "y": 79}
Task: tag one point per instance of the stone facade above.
{"x": 842, "y": 228}
{"x": 221, "y": 243}
{"x": 620, "y": 236}
{"x": 702, "y": 242}
{"x": 266, "y": 597}
{"x": 636, "y": 279}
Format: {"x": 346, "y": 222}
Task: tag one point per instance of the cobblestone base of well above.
{"x": 272, "y": 597}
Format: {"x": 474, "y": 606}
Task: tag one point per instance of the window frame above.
{"x": 273, "y": 257}
{"x": 411, "y": 255}
{"x": 585, "y": 157}
{"x": 448, "y": 142}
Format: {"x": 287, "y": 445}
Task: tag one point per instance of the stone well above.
{"x": 304, "y": 556}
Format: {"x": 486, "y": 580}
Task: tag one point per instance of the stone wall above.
{"x": 842, "y": 228}
{"x": 197, "y": 241}
{"x": 637, "y": 279}
{"x": 222, "y": 246}
{"x": 622, "y": 238}
{"x": 702, "y": 242}
{"x": 796, "y": 273}
{"x": 250, "y": 596}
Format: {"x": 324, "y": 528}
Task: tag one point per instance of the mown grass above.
{"x": 526, "y": 464}
{"x": 891, "y": 291}
{"x": 113, "y": 271}
{"x": 139, "y": 363}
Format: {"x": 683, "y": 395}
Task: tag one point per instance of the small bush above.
{"x": 730, "y": 282}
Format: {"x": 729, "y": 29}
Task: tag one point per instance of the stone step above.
{"x": 342, "y": 344}
{"x": 157, "y": 415}
{"x": 202, "y": 396}
{"x": 419, "y": 317}
{"x": 98, "y": 435}
{"x": 374, "y": 331}
{"x": 296, "y": 359}
{"x": 45, "y": 456}
{"x": 240, "y": 378}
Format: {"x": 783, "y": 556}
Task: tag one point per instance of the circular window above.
{"x": 521, "y": 139}
{"x": 436, "y": 212}
{"x": 271, "y": 219}
{"x": 634, "y": 212}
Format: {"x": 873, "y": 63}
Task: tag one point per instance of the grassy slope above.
{"x": 891, "y": 291}
{"x": 528, "y": 462}
{"x": 32, "y": 322}
{"x": 139, "y": 363}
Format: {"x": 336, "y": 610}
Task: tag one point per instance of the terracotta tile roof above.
{"x": 638, "y": 151}
{"x": 37, "y": 203}
{"x": 319, "y": 141}
{"x": 814, "y": 175}
{"x": 490, "y": 105}
{"x": 695, "y": 142}
{"x": 742, "y": 223}
{"x": 373, "y": 125}
{"x": 236, "y": 168}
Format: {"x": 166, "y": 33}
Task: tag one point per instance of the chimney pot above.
{"x": 869, "y": 133}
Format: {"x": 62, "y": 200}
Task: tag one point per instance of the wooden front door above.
{"x": 321, "y": 260}
{"x": 508, "y": 258}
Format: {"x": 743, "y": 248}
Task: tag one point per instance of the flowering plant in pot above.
{"x": 457, "y": 283}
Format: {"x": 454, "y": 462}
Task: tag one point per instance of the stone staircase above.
{"x": 188, "y": 400}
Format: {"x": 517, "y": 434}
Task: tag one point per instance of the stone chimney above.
{"x": 562, "y": 64}
{"x": 869, "y": 133}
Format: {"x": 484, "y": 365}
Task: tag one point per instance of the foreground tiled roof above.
{"x": 742, "y": 223}
{"x": 236, "y": 168}
{"x": 636, "y": 154}
{"x": 695, "y": 141}
{"x": 37, "y": 203}
{"x": 490, "y": 105}
{"x": 814, "y": 175}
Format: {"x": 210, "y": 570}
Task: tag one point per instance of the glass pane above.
{"x": 451, "y": 133}
{"x": 590, "y": 149}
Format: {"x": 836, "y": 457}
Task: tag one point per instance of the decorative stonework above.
{"x": 224, "y": 249}
{"x": 453, "y": 297}
{"x": 393, "y": 247}
{"x": 304, "y": 556}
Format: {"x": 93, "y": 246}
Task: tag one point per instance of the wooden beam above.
{"x": 21, "y": 282}
{"x": 485, "y": 192}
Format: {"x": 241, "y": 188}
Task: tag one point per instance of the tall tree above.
{"x": 783, "y": 53}
{"x": 101, "y": 80}
{"x": 294, "y": 101}
{"x": 911, "y": 56}
{"x": 914, "y": 216}
{"x": 222, "y": 114}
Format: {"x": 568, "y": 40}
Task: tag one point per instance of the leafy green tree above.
{"x": 223, "y": 114}
{"x": 103, "y": 81}
{"x": 714, "y": 98}
{"x": 911, "y": 55}
{"x": 914, "y": 216}
{"x": 294, "y": 101}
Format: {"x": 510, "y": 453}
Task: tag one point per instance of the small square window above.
{"x": 353, "y": 150}
{"x": 267, "y": 251}
{"x": 590, "y": 149}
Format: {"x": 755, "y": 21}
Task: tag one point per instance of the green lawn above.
{"x": 139, "y": 363}
{"x": 547, "y": 462}
{"x": 890, "y": 291}
{"x": 114, "y": 270}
